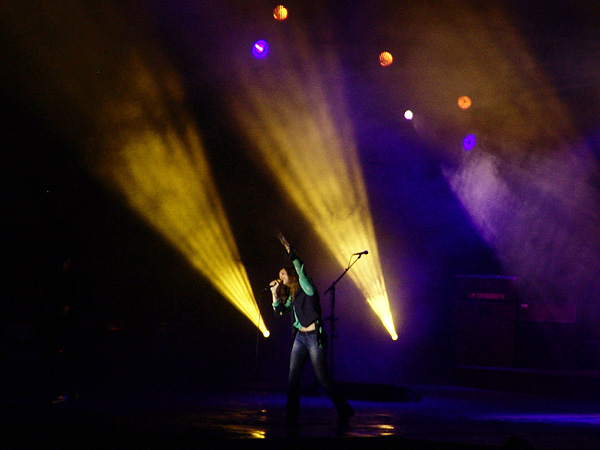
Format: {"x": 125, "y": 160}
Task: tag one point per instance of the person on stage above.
{"x": 294, "y": 293}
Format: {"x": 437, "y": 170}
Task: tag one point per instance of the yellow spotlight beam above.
{"x": 110, "y": 85}
{"x": 165, "y": 177}
{"x": 293, "y": 111}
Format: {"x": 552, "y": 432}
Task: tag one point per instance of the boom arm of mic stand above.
{"x": 332, "y": 287}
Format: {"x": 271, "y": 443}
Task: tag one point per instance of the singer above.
{"x": 294, "y": 293}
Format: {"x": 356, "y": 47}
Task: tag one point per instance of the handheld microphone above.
{"x": 273, "y": 283}
{"x": 366, "y": 252}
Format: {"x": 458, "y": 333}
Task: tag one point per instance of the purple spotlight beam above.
{"x": 260, "y": 49}
{"x": 469, "y": 142}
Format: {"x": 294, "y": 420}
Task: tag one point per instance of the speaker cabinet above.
{"x": 484, "y": 321}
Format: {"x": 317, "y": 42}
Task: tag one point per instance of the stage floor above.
{"x": 444, "y": 418}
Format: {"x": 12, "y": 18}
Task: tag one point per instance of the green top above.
{"x": 306, "y": 285}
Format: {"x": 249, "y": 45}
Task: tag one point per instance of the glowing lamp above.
{"x": 260, "y": 49}
{"x": 464, "y": 102}
{"x": 394, "y": 337}
{"x": 469, "y": 142}
{"x": 408, "y": 114}
{"x": 385, "y": 59}
{"x": 280, "y": 12}
{"x": 266, "y": 333}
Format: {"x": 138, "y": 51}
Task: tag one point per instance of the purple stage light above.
{"x": 469, "y": 142}
{"x": 260, "y": 49}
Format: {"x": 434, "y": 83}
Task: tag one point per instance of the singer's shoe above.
{"x": 291, "y": 427}
{"x": 344, "y": 417}
{"x": 291, "y": 420}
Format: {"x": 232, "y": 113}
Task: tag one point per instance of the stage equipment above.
{"x": 332, "y": 318}
{"x": 484, "y": 321}
{"x": 280, "y": 12}
{"x": 464, "y": 102}
{"x": 260, "y": 49}
{"x": 469, "y": 142}
{"x": 385, "y": 59}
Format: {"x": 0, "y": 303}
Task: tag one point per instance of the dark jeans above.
{"x": 305, "y": 344}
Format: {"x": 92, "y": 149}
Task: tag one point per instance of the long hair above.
{"x": 289, "y": 292}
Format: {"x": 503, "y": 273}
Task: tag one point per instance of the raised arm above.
{"x": 306, "y": 283}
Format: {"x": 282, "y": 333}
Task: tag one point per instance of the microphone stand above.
{"x": 332, "y": 318}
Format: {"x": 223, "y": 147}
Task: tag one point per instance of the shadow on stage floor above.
{"x": 438, "y": 417}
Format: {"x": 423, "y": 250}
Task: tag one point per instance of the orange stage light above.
{"x": 385, "y": 59}
{"x": 280, "y": 12}
{"x": 464, "y": 102}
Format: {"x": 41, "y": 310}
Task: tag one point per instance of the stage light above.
{"x": 260, "y": 49}
{"x": 280, "y": 12}
{"x": 469, "y": 142}
{"x": 408, "y": 114}
{"x": 295, "y": 118}
{"x": 464, "y": 102}
{"x": 161, "y": 169}
{"x": 385, "y": 59}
